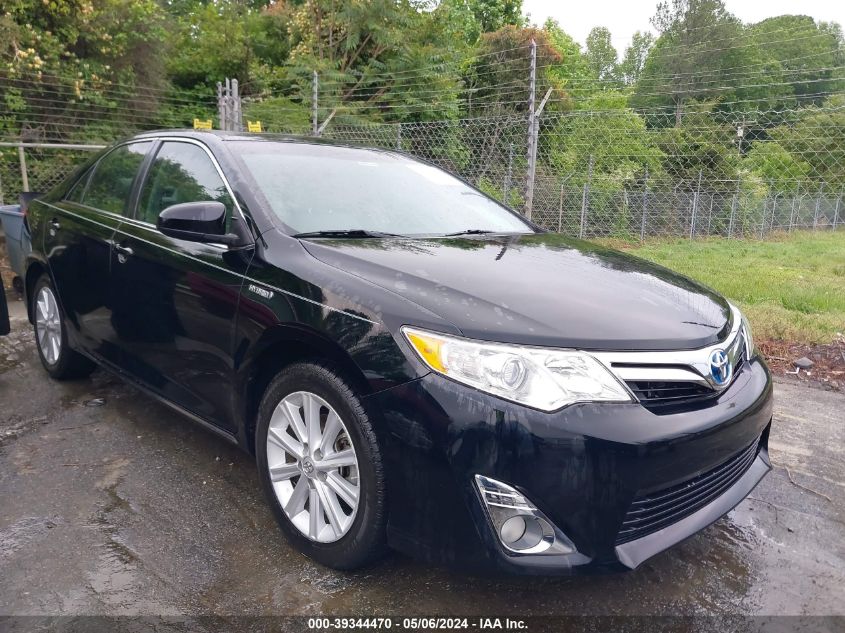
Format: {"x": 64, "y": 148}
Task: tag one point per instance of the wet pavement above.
{"x": 110, "y": 504}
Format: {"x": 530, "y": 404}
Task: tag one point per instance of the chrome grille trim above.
{"x": 692, "y": 366}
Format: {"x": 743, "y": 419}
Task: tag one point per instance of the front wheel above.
{"x": 320, "y": 466}
{"x": 60, "y": 361}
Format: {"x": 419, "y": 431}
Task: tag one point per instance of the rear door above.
{"x": 77, "y": 241}
{"x": 175, "y": 300}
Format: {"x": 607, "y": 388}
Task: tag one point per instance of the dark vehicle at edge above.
{"x": 412, "y": 364}
{"x": 4, "y": 311}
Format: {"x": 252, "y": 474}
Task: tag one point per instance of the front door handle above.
{"x": 123, "y": 253}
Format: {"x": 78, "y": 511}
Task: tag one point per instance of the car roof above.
{"x": 241, "y": 136}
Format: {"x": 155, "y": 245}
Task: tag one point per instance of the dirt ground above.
{"x": 827, "y": 371}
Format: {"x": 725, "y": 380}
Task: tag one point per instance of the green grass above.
{"x": 791, "y": 287}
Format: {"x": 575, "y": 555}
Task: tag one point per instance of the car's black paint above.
{"x": 194, "y": 221}
{"x": 489, "y": 285}
{"x": 582, "y": 465}
{"x": 205, "y": 327}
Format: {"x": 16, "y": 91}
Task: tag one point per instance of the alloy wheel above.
{"x": 313, "y": 467}
{"x": 48, "y": 325}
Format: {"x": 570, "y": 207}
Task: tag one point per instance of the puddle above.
{"x": 23, "y": 531}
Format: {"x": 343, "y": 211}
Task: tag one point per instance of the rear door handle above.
{"x": 123, "y": 253}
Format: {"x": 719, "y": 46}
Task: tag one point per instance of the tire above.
{"x": 339, "y": 537}
{"x": 57, "y": 357}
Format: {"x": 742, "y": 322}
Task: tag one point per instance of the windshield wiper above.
{"x": 469, "y": 232}
{"x": 347, "y": 233}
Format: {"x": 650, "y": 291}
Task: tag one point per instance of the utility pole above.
{"x": 508, "y": 176}
{"x": 532, "y": 138}
{"x": 237, "y": 123}
{"x": 229, "y": 106}
{"x": 315, "y": 93}
{"x": 222, "y": 115}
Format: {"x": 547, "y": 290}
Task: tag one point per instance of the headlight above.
{"x": 546, "y": 379}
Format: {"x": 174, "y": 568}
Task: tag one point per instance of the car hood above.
{"x": 539, "y": 289}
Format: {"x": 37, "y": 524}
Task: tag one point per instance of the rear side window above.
{"x": 110, "y": 185}
{"x": 78, "y": 190}
{"x": 181, "y": 172}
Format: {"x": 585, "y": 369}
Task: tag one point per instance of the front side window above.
{"x": 314, "y": 188}
{"x": 110, "y": 185}
{"x": 181, "y": 172}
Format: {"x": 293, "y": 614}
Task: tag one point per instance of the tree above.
{"x": 495, "y": 14}
{"x": 602, "y": 57}
{"x": 385, "y": 58}
{"x": 616, "y": 139}
{"x": 572, "y": 72}
{"x": 203, "y": 33}
{"x": 698, "y": 40}
{"x": 499, "y": 78}
{"x": 635, "y": 55}
{"x": 816, "y": 136}
{"x": 809, "y": 54}
{"x": 76, "y": 66}
{"x": 700, "y": 147}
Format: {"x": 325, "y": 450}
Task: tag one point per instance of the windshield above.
{"x": 314, "y": 188}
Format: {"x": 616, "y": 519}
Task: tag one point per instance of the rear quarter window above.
{"x": 110, "y": 186}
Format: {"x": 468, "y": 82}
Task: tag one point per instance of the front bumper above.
{"x": 583, "y": 467}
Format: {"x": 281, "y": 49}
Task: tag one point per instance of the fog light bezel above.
{"x": 502, "y": 502}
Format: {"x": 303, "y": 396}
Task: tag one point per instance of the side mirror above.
{"x": 197, "y": 222}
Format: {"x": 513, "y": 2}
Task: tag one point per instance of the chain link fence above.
{"x": 613, "y": 173}
{"x": 624, "y": 174}
{"x": 37, "y": 167}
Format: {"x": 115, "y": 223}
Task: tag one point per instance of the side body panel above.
{"x": 175, "y": 308}
{"x": 77, "y": 245}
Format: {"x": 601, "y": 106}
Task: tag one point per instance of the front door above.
{"x": 77, "y": 240}
{"x": 175, "y": 300}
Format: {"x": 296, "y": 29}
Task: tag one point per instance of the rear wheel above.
{"x": 60, "y": 361}
{"x": 320, "y": 466}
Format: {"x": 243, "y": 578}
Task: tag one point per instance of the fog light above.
{"x": 519, "y": 525}
{"x": 512, "y": 529}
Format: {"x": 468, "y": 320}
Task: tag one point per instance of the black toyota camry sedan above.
{"x": 412, "y": 364}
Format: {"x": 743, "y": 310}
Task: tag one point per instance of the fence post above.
{"x": 315, "y": 93}
{"x": 710, "y": 215}
{"x": 774, "y": 211}
{"x": 792, "y": 208}
{"x": 532, "y": 134}
{"x": 695, "y": 206}
{"x": 399, "y": 137}
{"x": 734, "y": 202}
{"x": 816, "y": 210}
{"x": 645, "y": 206}
{"x": 560, "y": 207}
{"x": 24, "y": 175}
{"x": 585, "y": 198}
{"x": 509, "y": 176}
{"x": 836, "y": 211}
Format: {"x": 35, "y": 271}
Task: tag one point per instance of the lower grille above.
{"x": 655, "y": 511}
